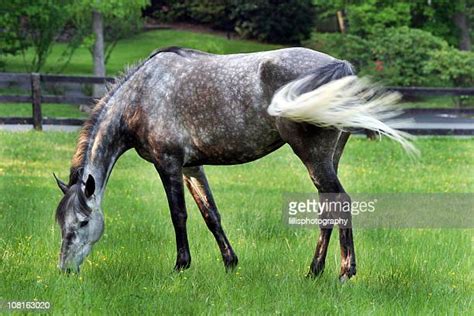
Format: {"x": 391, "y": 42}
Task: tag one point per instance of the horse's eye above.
{"x": 83, "y": 223}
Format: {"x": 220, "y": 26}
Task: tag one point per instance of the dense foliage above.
{"x": 401, "y": 42}
{"x": 402, "y": 53}
{"x": 401, "y": 56}
{"x": 452, "y": 65}
{"x": 369, "y": 17}
{"x": 267, "y": 20}
{"x": 345, "y": 46}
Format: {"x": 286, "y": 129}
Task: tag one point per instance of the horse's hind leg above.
{"x": 341, "y": 143}
{"x": 346, "y": 241}
{"x": 197, "y": 184}
{"x": 320, "y": 150}
{"x": 317, "y": 265}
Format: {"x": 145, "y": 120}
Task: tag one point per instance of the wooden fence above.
{"x": 37, "y": 98}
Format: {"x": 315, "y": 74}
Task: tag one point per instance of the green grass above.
{"x": 48, "y": 110}
{"x": 400, "y": 271}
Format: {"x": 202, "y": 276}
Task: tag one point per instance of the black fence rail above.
{"x": 432, "y": 92}
{"x": 36, "y": 97}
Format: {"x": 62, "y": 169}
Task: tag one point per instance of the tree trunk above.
{"x": 461, "y": 21}
{"x": 99, "y": 60}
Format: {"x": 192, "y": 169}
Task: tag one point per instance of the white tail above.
{"x": 348, "y": 102}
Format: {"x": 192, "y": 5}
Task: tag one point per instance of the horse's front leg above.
{"x": 197, "y": 184}
{"x": 172, "y": 177}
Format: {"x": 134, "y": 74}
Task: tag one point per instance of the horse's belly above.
{"x": 232, "y": 148}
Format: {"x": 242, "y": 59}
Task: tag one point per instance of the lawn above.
{"x": 400, "y": 271}
{"x": 48, "y": 110}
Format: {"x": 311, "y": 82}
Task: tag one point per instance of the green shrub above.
{"x": 452, "y": 65}
{"x": 397, "y": 56}
{"x": 343, "y": 46}
{"x": 369, "y": 17}
{"x": 400, "y": 56}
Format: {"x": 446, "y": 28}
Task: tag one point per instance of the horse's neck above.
{"x": 105, "y": 143}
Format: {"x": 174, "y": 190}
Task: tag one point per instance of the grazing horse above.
{"x": 181, "y": 109}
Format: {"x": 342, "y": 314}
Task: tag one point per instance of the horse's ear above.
{"x": 90, "y": 186}
{"x": 63, "y": 186}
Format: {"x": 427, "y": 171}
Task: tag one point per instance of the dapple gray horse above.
{"x": 181, "y": 109}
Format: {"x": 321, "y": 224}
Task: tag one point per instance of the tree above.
{"x": 448, "y": 19}
{"x": 461, "y": 19}
{"x": 121, "y": 17}
{"x": 445, "y": 18}
{"x": 34, "y": 24}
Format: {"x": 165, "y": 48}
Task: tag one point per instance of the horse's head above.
{"x": 81, "y": 221}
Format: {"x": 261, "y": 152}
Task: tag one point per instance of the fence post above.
{"x": 36, "y": 101}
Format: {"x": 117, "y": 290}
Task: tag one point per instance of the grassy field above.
{"x": 400, "y": 271}
{"x": 48, "y": 110}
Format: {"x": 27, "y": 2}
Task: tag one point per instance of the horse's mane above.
{"x": 87, "y": 130}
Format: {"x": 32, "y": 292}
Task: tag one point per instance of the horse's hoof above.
{"x": 182, "y": 265}
{"x": 346, "y": 274}
{"x": 316, "y": 270}
{"x": 344, "y": 278}
{"x": 230, "y": 263}
{"x": 230, "y": 267}
{"x": 312, "y": 275}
